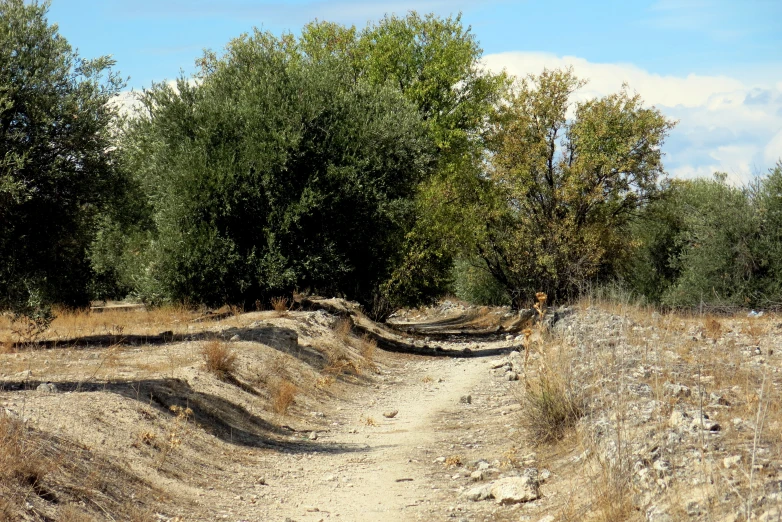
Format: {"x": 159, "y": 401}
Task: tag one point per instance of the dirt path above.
{"x": 393, "y": 468}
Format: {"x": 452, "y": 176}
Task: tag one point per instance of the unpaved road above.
{"x": 388, "y": 469}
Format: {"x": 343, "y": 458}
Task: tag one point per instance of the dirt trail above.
{"x": 387, "y": 483}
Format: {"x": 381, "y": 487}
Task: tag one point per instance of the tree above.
{"x": 56, "y": 160}
{"x": 561, "y": 189}
{"x": 436, "y": 64}
{"x": 271, "y": 172}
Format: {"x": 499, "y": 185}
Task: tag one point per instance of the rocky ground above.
{"x": 673, "y": 418}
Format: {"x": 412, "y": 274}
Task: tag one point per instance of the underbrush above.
{"x": 44, "y": 477}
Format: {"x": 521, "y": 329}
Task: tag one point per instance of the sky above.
{"x": 713, "y": 65}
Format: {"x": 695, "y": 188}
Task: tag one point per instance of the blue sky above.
{"x": 714, "y": 65}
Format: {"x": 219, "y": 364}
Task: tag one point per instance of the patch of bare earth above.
{"x": 613, "y": 413}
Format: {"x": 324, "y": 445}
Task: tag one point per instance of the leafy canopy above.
{"x": 56, "y": 160}
{"x": 563, "y": 181}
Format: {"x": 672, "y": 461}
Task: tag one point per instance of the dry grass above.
{"x": 283, "y": 396}
{"x": 342, "y": 328}
{"x": 280, "y": 305}
{"x": 219, "y": 359}
{"x": 22, "y": 462}
{"x": 368, "y": 349}
{"x": 551, "y": 405}
{"x": 71, "y": 324}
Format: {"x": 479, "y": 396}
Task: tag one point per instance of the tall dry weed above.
{"x": 219, "y": 359}
{"x": 283, "y": 396}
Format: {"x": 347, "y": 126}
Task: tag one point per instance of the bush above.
{"x": 57, "y": 162}
{"x": 219, "y": 359}
{"x": 711, "y": 243}
{"x": 269, "y": 173}
{"x": 550, "y": 405}
{"x": 473, "y": 283}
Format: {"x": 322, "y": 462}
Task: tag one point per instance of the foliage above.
{"x": 436, "y": 64}
{"x": 710, "y": 242}
{"x": 270, "y": 172}
{"x": 473, "y": 283}
{"x": 563, "y": 189}
{"x": 56, "y": 160}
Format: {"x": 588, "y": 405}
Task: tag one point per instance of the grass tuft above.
{"x": 550, "y": 407}
{"x": 219, "y": 359}
{"x": 283, "y": 396}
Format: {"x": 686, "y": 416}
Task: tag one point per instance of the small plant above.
{"x": 219, "y": 359}
{"x": 454, "y": 461}
{"x": 280, "y": 305}
{"x": 370, "y": 421}
{"x": 368, "y": 349}
{"x": 551, "y": 405}
{"x": 712, "y": 328}
{"x": 342, "y": 327}
{"x": 283, "y": 396}
{"x": 176, "y": 431}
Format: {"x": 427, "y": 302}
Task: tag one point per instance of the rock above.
{"x": 476, "y": 476}
{"x": 719, "y": 400}
{"x": 679, "y": 419}
{"x": 27, "y": 374}
{"x": 478, "y": 493}
{"x": 729, "y": 462}
{"x": 439, "y": 460}
{"x": 547, "y": 518}
{"x": 313, "y": 435}
{"x": 676, "y": 390}
{"x": 512, "y": 376}
{"x": 509, "y": 338}
{"x": 390, "y": 414}
{"x": 515, "y": 490}
{"x": 235, "y": 338}
{"x": 466, "y": 399}
{"x": 47, "y": 387}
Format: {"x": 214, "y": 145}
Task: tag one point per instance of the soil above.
{"x": 332, "y": 456}
{"x": 390, "y": 423}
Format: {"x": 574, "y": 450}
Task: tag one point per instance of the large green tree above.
{"x": 56, "y": 159}
{"x": 562, "y": 187}
{"x": 436, "y": 64}
{"x": 270, "y": 172}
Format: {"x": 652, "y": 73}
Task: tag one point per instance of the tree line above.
{"x": 383, "y": 164}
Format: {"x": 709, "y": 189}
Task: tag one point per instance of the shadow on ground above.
{"x": 227, "y": 421}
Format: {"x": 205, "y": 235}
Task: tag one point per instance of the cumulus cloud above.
{"x": 725, "y": 124}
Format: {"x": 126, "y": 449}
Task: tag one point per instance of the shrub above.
{"x": 219, "y": 359}
{"x": 472, "y": 282}
{"x": 550, "y": 406}
{"x": 283, "y": 396}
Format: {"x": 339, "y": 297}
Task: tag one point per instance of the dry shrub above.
{"x": 342, "y": 328}
{"x": 21, "y": 459}
{"x": 613, "y": 495}
{"x": 6, "y": 347}
{"x": 551, "y": 405}
{"x": 283, "y": 396}
{"x": 219, "y": 359}
{"x": 338, "y": 360}
{"x": 453, "y": 461}
{"x": 368, "y": 349}
{"x": 280, "y": 305}
{"x": 370, "y": 421}
{"x": 712, "y": 328}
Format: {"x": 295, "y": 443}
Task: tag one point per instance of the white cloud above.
{"x": 725, "y": 124}
{"x": 773, "y": 151}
